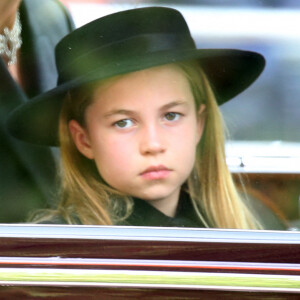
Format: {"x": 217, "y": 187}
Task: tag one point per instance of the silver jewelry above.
{"x": 10, "y": 41}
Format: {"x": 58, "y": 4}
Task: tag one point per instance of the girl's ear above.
{"x": 201, "y": 117}
{"x": 81, "y": 139}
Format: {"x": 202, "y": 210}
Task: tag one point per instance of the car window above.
{"x": 263, "y": 122}
{"x": 263, "y": 136}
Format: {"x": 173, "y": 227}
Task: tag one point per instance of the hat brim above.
{"x": 230, "y": 72}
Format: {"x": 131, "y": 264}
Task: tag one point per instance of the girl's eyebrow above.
{"x": 174, "y": 103}
{"x": 119, "y": 112}
{"x": 131, "y": 112}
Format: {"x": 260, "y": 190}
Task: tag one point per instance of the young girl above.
{"x": 136, "y": 116}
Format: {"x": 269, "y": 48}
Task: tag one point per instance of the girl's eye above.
{"x": 125, "y": 123}
{"x": 172, "y": 116}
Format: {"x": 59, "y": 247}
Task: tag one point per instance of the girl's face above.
{"x": 142, "y": 130}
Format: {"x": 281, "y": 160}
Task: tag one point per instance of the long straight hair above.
{"x": 211, "y": 187}
{"x": 86, "y": 198}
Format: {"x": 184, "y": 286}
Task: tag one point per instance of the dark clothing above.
{"x": 27, "y": 172}
{"x": 44, "y": 24}
{"x": 144, "y": 214}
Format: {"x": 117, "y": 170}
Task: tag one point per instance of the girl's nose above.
{"x": 152, "y": 141}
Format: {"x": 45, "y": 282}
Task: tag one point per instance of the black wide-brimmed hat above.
{"x": 125, "y": 42}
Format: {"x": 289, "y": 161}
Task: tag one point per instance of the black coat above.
{"x": 27, "y": 172}
{"x": 144, "y": 214}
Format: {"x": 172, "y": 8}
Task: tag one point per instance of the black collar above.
{"x": 144, "y": 214}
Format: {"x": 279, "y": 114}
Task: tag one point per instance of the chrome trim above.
{"x": 62, "y": 261}
{"x": 148, "y": 234}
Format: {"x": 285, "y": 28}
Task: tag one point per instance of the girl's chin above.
{"x": 157, "y": 196}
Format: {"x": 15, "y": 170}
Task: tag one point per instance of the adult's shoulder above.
{"x": 44, "y": 24}
{"x": 48, "y": 12}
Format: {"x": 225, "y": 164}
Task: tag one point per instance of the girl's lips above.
{"x": 156, "y": 172}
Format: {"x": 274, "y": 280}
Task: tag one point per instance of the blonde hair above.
{"x": 85, "y": 196}
{"x": 211, "y": 185}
